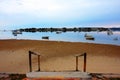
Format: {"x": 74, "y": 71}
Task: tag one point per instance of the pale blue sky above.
{"x": 34, "y": 13}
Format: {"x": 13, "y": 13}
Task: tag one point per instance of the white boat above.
{"x": 15, "y": 32}
{"x": 109, "y": 32}
{"x": 89, "y": 37}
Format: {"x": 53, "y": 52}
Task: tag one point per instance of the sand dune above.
{"x": 58, "y": 56}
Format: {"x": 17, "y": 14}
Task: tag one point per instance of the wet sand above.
{"x": 58, "y": 56}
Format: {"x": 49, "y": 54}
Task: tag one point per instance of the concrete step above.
{"x": 58, "y": 75}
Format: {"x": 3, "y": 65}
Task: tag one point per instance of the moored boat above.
{"x": 89, "y": 37}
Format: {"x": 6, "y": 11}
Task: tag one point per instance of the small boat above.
{"x": 45, "y": 37}
{"x": 58, "y": 32}
{"x": 15, "y": 32}
{"x": 109, "y": 32}
{"x": 89, "y": 37}
{"x": 115, "y": 39}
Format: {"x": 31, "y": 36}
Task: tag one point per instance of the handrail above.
{"x": 77, "y": 56}
{"x": 85, "y": 60}
{"x": 30, "y": 60}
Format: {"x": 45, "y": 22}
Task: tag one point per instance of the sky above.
{"x": 59, "y": 13}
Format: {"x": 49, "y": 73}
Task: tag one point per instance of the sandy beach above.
{"x": 58, "y": 56}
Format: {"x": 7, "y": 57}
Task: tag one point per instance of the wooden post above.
{"x": 85, "y": 57}
{"x": 85, "y": 60}
{"x": 76, "y": 63}
{"x": 38, "y": 62}
{"x": 30, "y": 62}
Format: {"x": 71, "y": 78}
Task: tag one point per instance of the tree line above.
{"x": 64, "y": 29}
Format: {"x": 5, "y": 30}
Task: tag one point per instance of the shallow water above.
{"x": 100, "y": 37}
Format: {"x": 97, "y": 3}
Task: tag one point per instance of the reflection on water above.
{"x": 99, "y": 37}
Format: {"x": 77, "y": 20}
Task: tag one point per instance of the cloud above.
{"x": 51, "y": 6}
{"x": 49, "y": 11}
{"x": 28, "y": 6}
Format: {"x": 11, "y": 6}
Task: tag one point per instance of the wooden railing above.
{"x": 85, "y": 60}
{"x": 77, "y": 56}
{"x": 30, "y": 60}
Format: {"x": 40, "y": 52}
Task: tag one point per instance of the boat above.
{"x": 115, "y": 39}
{"x": 89, "y": 37}
{"x": 45, "y": 37}
{"x": 58, "y": 32}
{"x": 109, "y": 32}
{"x": 15, "y": 32}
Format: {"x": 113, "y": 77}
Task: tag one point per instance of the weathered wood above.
{"x": 76, "y": 63}
{"x": 85, "y": 60}
{"x": 30, "y": 60}
{"x": 38, "y": 62}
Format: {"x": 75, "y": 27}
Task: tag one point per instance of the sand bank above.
{"x": 58, "y": 56}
